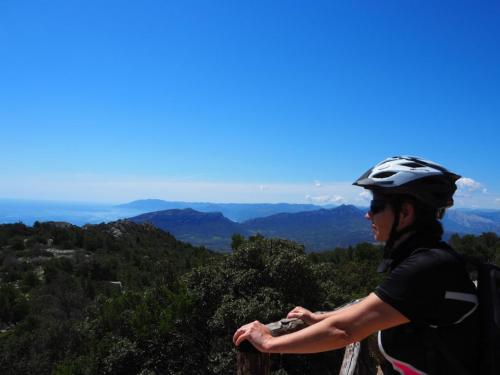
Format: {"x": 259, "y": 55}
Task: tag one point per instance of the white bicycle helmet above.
{"x": 428, "y": 182}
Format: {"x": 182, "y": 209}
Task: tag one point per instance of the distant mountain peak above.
{"x": 347, "y": 208}
{"x": 210, "y": 229}
{"x": 185, "y": 212}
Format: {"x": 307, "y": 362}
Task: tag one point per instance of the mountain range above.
{"x": 238, "y": 212}
{"x": 213, "y": 224}
{"x": 81, "y": 213}
{"x": 320, "y": 229}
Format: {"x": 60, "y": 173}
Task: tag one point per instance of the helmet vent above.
{"x": 383, "y": 174}
{"x": 413, "y": 165}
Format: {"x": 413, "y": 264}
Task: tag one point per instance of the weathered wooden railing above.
{"x": 252, "y": 362}
{"x": 357, "y": 357}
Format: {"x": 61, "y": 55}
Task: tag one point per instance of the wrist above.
{"x": 268, "y": 345}
{"x": 315, "y": 317}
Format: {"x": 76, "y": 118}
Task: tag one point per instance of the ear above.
{"x": 406, "y": 215}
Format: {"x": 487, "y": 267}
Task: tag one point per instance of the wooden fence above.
{"x": 360, "y": 358}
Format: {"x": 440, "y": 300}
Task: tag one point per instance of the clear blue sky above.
{"x": 244, "y": 101}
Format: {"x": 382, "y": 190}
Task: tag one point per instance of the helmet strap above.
{"x": 440, "y": 213}
{"x": 394, "y": 235}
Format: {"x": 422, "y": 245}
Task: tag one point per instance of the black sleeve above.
{"x": 416, "y": 287}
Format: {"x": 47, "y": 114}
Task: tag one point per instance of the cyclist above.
{"x": 425, "y": 311}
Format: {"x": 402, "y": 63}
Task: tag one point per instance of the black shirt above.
{"x": 428, "y": 283}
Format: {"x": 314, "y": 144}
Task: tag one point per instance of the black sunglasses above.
{"x": 377, "y": 205}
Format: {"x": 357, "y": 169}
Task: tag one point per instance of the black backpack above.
{"x": 488, "y": 288}
{"x": 488, "y": 291}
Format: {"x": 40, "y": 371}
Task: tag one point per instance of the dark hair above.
{"x": 426, "y": 224}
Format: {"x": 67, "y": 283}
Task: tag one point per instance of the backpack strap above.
{"x": 432, "y": 339}
{"x": 489, "y": 313}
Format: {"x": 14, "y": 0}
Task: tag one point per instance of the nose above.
{"x": 368, "y": 215}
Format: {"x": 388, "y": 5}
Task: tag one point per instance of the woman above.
{"x": 425, "y": 310}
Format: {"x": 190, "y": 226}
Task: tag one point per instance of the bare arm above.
{"x": 348, "y": 325}
{"x": 311, "y": 318}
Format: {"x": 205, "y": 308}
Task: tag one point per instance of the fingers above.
{"x": 242, "y": 338}
{"x": 240, "y": 331}
{"x": 243, "y": 333}
{"x": 256, "y": 333}
{"x": 296, "y": 312}
{"x": 237, "y": 334}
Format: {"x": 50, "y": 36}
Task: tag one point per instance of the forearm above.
{"x": 339, "y": 329}
{"x": 320, "y": 337}
{"x": 322, "y": 315}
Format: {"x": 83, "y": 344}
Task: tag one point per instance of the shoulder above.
{"x": 420, "y": 284}
{"x": 424, "y": 260}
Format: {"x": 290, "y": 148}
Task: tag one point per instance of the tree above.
{"x": 237, "y": 240}
{"x": 263, "y": 279}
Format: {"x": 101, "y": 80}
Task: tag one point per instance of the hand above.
{"x": 303, "y": 314}
{"x": 256, "y": 333}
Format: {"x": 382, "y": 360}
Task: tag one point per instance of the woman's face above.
{"x": 382, "y": 219}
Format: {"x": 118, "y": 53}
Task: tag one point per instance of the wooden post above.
{"x": 357, "y": 359}
{"x": 350, "y": 361}
{"x": 250, "y": 361}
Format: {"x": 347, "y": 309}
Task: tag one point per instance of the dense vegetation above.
{"x": 62, "y": 314}
{"x": 124, "y": 298}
